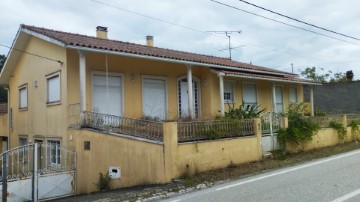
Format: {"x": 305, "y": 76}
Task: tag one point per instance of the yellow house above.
{"x": 47, "y": 71}
{"x": 57, "y": 79}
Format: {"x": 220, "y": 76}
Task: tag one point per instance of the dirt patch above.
{"x": 203, "y": 180}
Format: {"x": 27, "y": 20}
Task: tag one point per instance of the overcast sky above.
{"x": 265, "y": 43}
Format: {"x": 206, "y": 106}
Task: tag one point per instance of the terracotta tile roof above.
{"x": 267, "y": 77}
{"x": 125, "y": 47}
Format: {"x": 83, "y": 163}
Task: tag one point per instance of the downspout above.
{"x": 8, "y": 105}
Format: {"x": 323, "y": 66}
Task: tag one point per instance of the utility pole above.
{"x": 227, "y": 34}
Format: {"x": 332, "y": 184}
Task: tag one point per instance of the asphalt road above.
{"x": 332, "y": 179}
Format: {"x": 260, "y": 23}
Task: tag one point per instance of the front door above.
{"x": 183, "y": 97}
{"x": 107, "y": 94}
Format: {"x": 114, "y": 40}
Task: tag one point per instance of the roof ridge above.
{"x": 125, "y": 42}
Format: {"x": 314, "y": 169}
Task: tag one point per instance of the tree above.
{"x": 311, "y": 74}
{"x": 338, "y": 77}
{"x": 349, "y": 75}
{"x": 2, "y": 61}
{"x": 3, "y": 93}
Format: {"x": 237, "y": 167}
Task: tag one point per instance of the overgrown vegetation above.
{"x": 341, "y": 130}
{"x": 300, "y": 130}
{"x": 104, "y": 182}
{"x": 355, "y": 129}
{"x": 243, "y": 112}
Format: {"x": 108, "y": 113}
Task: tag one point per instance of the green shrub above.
{"x": 355, "y": 129}
{"x": 104, "y": 182}
{"x": 243, "y": 112}
{"x": 300, "y": 130}
{"x": 341, "y": 130}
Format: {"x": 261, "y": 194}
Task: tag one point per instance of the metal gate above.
{"x": 39, "y": 171}
{"x": 271, "y": 122}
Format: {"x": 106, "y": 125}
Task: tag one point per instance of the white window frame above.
{"x": 194, "y": 78}
{"x": 24, "y": 150}
{"x": 282, "y": 100}
{"x": 48, "y": 78}
{"x": 296, "y": 96}
{"x": 57, "y": 144}
{"x": 232, "y": 94}
{"x": 166, "y": 91}
{"x": 121, "y": 75}
{"x": 256, "y": 92}
{"x": 21, "y": 88}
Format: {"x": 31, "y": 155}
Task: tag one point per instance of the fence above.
{"x": 207, "y": 130}
{"x": 129, "y": 126}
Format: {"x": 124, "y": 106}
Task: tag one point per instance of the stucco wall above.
{"x": 324, "y": 138}
{"x": 203, "y": 156}
{"x": 140, "y": 162}
{"x": 39, "y": 120}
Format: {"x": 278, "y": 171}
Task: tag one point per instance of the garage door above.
{"x": 107, "y": 99}
{"x": 154, "y": 98}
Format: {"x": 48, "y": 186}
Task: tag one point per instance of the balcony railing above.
{"x": 122, "y": 125}
{"x": 216, "y": 129}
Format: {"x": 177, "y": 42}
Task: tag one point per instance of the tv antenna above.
{"x": 228, "y": 34}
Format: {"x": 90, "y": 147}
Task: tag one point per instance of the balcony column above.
{"x": 221, "y": 84}
{"x": 82, "y": 68}
{"x": 190, "y": 91}
{"x": 273, "y": 93}
{"x": 312, "y": 100}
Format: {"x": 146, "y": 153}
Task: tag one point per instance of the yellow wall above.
{"x": 324, "y": 138}
{"x": 39, "y": 119}
{"x": 204, "y": 156}
{"x": 140, "y": 162}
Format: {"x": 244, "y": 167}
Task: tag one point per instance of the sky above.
{"x": 184, "y": 25}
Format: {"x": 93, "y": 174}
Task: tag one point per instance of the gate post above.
{"x": 4, "y": 177}
{"x": 35, "y": 177}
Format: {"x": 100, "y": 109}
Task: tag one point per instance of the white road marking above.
{"x": 177, "y": 200}
{"x": 347, "y": 196}
{"x": 289, "y": 170}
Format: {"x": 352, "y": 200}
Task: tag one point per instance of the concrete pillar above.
{"x": 312, "y": 100}
{"x": 190, "y": 91}
{"x": 285, "y": 122}
{"x": 273, "y": 93}
{"x": 170, "y": 148}
{"x": 257, "y": 131}
{"x": 221, "y": 84}
{"x": 82, "y": 67}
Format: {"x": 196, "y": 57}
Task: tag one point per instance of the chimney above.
{"x": 150, "y": 41}
{"x": 101, "y": 32}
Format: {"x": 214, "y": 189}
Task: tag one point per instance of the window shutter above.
{"x": 54, "y": 89}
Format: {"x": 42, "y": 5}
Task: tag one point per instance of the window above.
{"x": 292, "y": 95}
{"x": 228, "y": 91}
{"x": 249, "y": 94}
{"x": 279, "y": 99}
{"x": 24, "y": 150}
{"x": 23, "y": 104}
{"x": 54, "y": 152}
{"x": 53, "y": 88}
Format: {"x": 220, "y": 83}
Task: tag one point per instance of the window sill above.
{"x": 53, "y": 103}
{"x": 23, "y": 109}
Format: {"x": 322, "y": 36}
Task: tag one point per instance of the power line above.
{"x": 204, "y": 32}
{"x": 284, "y": 23}
{"x": 303, "y": 22}
{"x": 33, "y": 54}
